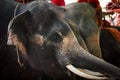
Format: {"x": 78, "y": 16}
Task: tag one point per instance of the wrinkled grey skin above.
{"x": 50, "y": 43}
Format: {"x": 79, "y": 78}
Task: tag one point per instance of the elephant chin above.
{"x": 85, "y": 73}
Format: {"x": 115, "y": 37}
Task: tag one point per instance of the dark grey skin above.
{"x": 110, "y": 48}
{"x": 7, "y": 11}
{"x": 46, "y": 37}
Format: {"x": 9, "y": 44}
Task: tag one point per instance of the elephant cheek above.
{"x": 70, "y": 44}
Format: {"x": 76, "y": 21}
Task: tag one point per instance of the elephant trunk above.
{"x": 85, "y": 60}
{"x": 80, "y": 58}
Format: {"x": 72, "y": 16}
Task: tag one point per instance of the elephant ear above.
{"x": 18, "y": 30}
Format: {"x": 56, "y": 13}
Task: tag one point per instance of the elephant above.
{"x": 9, "y": 67}
{"x": 55, "y": 43}
{"x": 110, "y": 44}
{"x": 85, "y": 18}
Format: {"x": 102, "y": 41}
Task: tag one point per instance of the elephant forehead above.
{"x": 81, "y": 8}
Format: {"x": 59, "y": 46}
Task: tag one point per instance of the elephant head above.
{"x": 50, "y": 44}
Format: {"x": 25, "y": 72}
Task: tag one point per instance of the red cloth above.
{"x": 96, "y": 3}
{"x": 82, "y": 1}
{"x": 58, "y": 2}
{"x": 115, "y": 1}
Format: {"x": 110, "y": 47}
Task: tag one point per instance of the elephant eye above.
{"x": 56, "y": 37}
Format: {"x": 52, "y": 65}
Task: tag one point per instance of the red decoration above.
{"x": 58, "y": 2}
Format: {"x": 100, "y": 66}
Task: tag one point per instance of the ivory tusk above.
{"x": 82, "y": 74}
{"x": 90, "y": 72}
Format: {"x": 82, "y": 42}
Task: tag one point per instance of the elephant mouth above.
{"x": 85, "y": 73}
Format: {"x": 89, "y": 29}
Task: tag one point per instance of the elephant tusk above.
{"x": 91, "y": 72}
{"x": 82, "y": 74}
